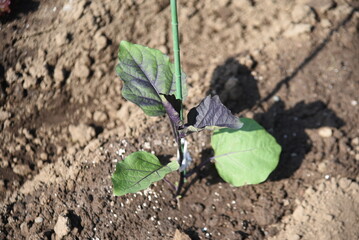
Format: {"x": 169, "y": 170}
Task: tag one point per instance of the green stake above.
{"x": 176, "y": 52}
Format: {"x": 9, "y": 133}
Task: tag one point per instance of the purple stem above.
{"x": 180, "y": 151}
{"x": 171, "y": 184}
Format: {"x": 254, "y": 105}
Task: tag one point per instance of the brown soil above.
{"x": 291, "y": 65}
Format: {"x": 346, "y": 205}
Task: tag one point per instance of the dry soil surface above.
{"x": 292, "y": 65}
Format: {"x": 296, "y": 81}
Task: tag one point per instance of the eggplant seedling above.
{"x": 245, "y": 153}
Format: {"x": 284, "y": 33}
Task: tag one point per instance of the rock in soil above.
{"x": 325, "y": 132}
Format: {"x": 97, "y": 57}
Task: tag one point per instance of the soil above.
{"x": 291, "y": 65}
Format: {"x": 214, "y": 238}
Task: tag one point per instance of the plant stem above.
{"x": 177, "y": 60}
{"x": 171, "y": 184}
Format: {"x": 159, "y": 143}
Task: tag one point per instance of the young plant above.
{"x": 244, "y": 152}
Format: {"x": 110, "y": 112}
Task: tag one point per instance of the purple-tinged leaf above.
{"x": 147, "y": 73}
{"x": 210, "y": 114}
{"x": 172, "y": 107}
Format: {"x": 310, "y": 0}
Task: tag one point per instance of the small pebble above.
{"x": 325, "y": 132}
{"x": 39, "y": 220}
{"x": 276, "y": 98}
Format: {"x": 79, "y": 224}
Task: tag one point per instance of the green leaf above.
{"x": 247, "y": 155}
{"x": 146, "y": 73}
{"x": 138, "y": 171}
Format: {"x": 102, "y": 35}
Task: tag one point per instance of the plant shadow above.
{"x": 164, "y": 159}
{"x": 208, "y": 172}
{"x": 287, "y": 125}
{"x": 235, "y": 86}
{"x": 19, "y": 8}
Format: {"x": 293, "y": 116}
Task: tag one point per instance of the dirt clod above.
{"x": 81, "y": 133}
{"x": 4, "y": 115}
{"x": 62, "y": 226}
{"x": 297, "y": 29}
{"x": 301, "y": 13}
{"x": 101, "y": 41}
{"x": 180, "y": 236}
{"x": 61, "y": 39}
{"x": 322, "y": 6}
{"x": 99, "y": 116}
{"x": 22, "y": 169}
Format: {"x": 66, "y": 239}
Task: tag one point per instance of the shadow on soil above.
{"x": 232, "y": 81}
{"x": 238, "y": 90}
{"x": 288, "y": 127}
{"x": 3, "y": 86}
{"x": 18, "y": 8}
